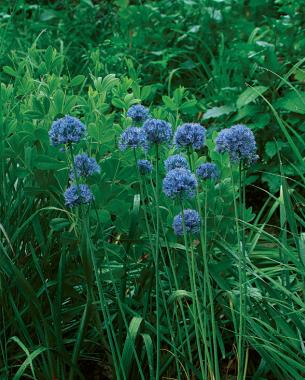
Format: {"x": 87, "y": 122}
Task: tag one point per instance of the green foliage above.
{"x": 82, "y": 286}
{"x": 214, "y": 48}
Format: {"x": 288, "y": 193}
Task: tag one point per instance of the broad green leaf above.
{"x": 293, "y": 101}
{"x": 216, "y": 112}
{"x": 119, "y": 103}
{"x": 169, "y": 103}
{"x": 76, "y": 81}
{"x": 249, "y": 95}
{"x": 44, "y": 162}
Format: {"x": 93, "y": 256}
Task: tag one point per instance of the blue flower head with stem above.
{"x": 209, "y": 170}
{"x": 132, "y": 137}
{"x": 144, "y": 166}
{"x": 239, "y": 142}
{"x": 67, "y": 130}
{"x": 190, "y": 136}
{"x": 138, "y": 113}
{"x": 179, "y": 184}
{"x": 176, "y": 161}
{"x": 191, "y": 222}
{"x": 157, "y": 131}
{"x": 84, "y": 166}
{"x": 76, "y": 195}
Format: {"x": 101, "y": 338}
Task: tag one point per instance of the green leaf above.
{"x": 10, "y": 71}
{"x": 59, "y": 101}
{"x": 87, "y": 2}
{"x": 293, "y": 101}
{"x": 302, "y": 247}
{"x": 129, "y": 346}
{"x": 29, "y": 360}
{"x": 188, "y": 106}
{"x": 145, "y": 92}
{"x": 169, "y": 103}
{"x": 134, "y": 217}
{"x": 58, "y": 224}
{"x": 177, "y": 294}
{"x": 48, "y": 14}
{"x": 270, "y": 149}
{"x": 76, "y": 81}
{"x": 249, "y": 95}
{"x": 103, "y": 216}
{"x": 119, "y": 103}
{"x": 299, "y": 74}
{"x": 44, "y": 162}
{"x": 216, "y": 112}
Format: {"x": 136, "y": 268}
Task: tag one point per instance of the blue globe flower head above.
{"x": 67, "y": 130}
{"x": 157, "y": 131}
{"x": 191, "y": 222}
{"x": 180, "y": 183}
{"x": 176, "y": 161}
{"x": 138, "y": 113}
{"x": 145, "y": 167}
{"x": 190, "y": 135}
{"x": 132, "y": 137}
{"x": 208, "y": 170}
{"x": 85, "y": 166}
{"x": 76, "y": 195}
{"x": 239, "y": 142}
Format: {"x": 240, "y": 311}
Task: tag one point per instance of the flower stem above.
{"x": 241, "y": 268}
{"x": 157, "y": 265}
{"x": 203, "y": 239}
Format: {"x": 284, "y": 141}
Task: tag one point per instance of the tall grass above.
{"x": 112, "y": 284}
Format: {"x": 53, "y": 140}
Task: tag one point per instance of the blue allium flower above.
{"x": 157, "y": 131}
{"x": 191, "y": 222}
{"x": 208, "y": 170}
{"x": 76, "y": 195}
{"x": 84, "y": 166}
{"x": 239, "y": 142}
{"x": 132, "y": 137}
{"x": 145, "y": 167}
{"x": 67, "y": 130}
{"x": 176, "y": 161}
{"x": 180, "y": 183}
{"x": 190, "y": 135}
{"x": 138, "y": 113}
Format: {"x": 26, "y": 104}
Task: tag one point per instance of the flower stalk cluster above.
{"x": 68, "y": 131}
{"x": 180, "y": 184}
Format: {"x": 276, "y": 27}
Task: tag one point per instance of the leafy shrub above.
{"x": 215, "y": 49}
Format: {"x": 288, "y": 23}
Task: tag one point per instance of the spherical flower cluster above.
{"x": 157, "y": 131}
{"x": 132, "y": 137}
{"x": 176, "y": 161}
{"x": 190, "y": 135}
{"x": 67, "y": 130}
{"x": 138, "y": 113}
{"x": 239, "y": 142}
{"x": 144, "y": 166}
{"x": 208, "y": 170}
{"x": 76, "y": 195}
{"x": 180, "y": 183}
{"x": 191, "y": 222}
{"x": 84, "y": 166}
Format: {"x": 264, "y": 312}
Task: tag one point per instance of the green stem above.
{"x": 242, "y": 279}
{"x": 86, "y": 262}
{"x": 215, "y": 373}
{"x": 157, "y": 265}
{"x": 240, "y": 339}
{"x": 195, "y": 301}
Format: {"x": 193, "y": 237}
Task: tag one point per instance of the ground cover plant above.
{"x": 215, "y": 48}
{"x": 138, "y": 238}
